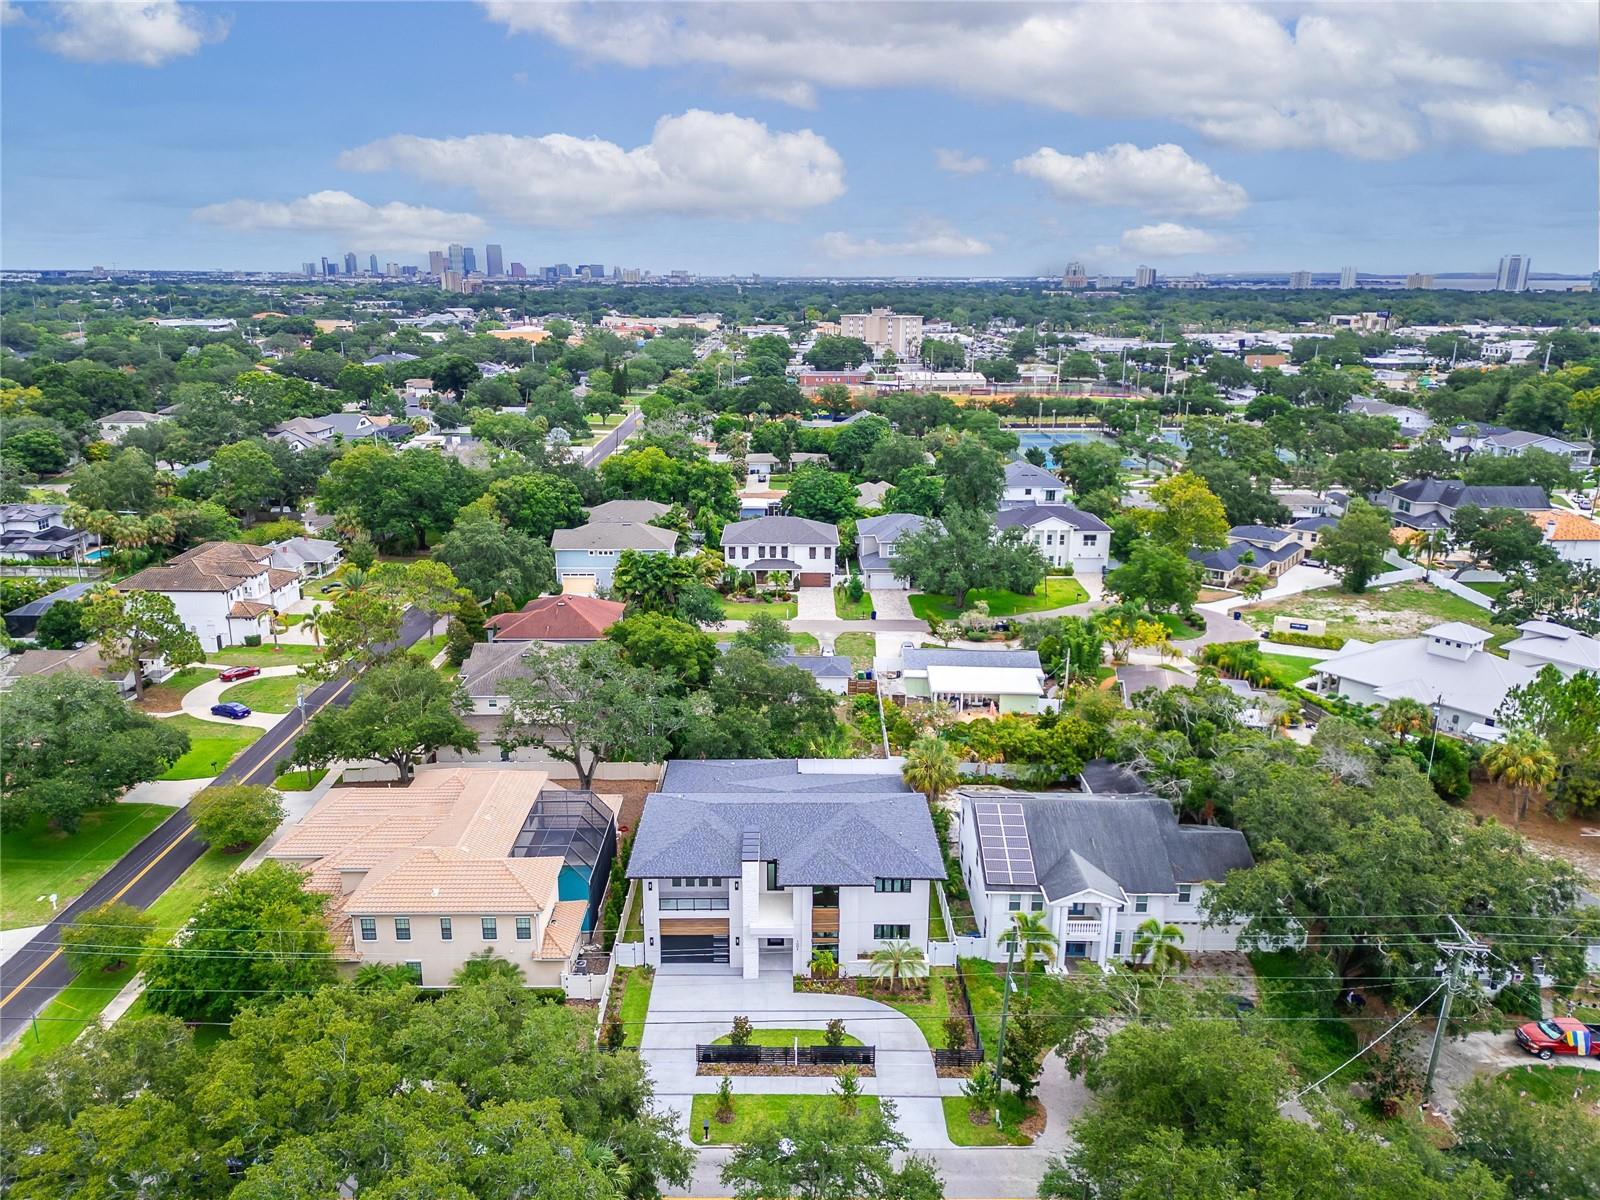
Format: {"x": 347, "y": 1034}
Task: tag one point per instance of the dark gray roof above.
{"x": 782, "y": 530}
{"x": 1008, "y": 518}
{"x": 1265, "y": 533}
{"x": 1123, "y": 845}
{"x": 1452, "y": 493}
{"x": 1315, "y": 523}
{"x": 1232, "y": 555}
{"x": 37, "y": 608}
{"x": 822, "y": 828}
{"x": 1022, "y": 473}
{"x": 822, "y": 666}
{"x": 1106, "y": 778}
{"x": 923, "y": 657}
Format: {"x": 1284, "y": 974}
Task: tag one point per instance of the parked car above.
{"x": 233, "y": 674}
{"x": 1560, "y": 1035}
{"x": 230, "y": 709}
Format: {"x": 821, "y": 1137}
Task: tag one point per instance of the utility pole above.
{"x": 1000, "y": 1042}
{"x": 1451, "y": 985}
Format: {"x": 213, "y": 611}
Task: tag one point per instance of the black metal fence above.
{"x": 964, "y": 1059}
{"x": 780, "y": 1056}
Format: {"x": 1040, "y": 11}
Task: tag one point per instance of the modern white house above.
{"x": 1027, "y": 484}
{"x": 1544, "y": 643}
{"x": 117, "y": 425}
{"x": 745, "y": 866}
{"x": 1447, "y": 669}
{"x": 1412, "y": 421}
{"x": 586, "y": 557}
{"x": 807, "y": 551}
{"x": 1066, "y": 536}
{"x": 875, "y": 542}
{"x": 1432, "y": 503}
{"x": 223, "y": 591}
{"x": 38, "y": 531}
{"x": 1095, "y": 866}
{"x": 995, "y": 681}
{"x": 311, "y": 558}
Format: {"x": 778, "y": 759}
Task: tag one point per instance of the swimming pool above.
{"x": 573, "y": 883}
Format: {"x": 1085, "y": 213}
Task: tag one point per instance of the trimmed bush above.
{"x": 1320, "y": 641}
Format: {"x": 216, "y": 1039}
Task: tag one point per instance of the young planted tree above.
{"x": 105, "y": 938}
{"x": 1031, "y": 933}
{"x": 1524, "y": 765}
{"x": 1404, "y": 717}
{"x": 899, "y": 961}
{"x": 1160, "y": 945}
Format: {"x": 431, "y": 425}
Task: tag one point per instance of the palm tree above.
{"x": 931, "y": 768}
{"x": 1160, "y": 945}
{"x": 1404, "y": 716}
{"x": 1031, "y": 932}
{"x": 314, "y": 623}
{"x": 899, "y": 961}
{"x": 1524, "y": 764}
{"x": 1434, "y": 543}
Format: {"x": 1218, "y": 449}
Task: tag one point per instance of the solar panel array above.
{"x": 1003, "y": 844}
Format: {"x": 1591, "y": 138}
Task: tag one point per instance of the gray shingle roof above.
{"x": 614, "y": 535}
{"x": 890, "y": 526}
{"x": 821, "y": 828}
{"x": 821, "y": 666}
{"x": 1452, "y": 493}
{"x": 780, "y": 530}
{"x": 638, "y": 511}
{"x": 1008, "y": 518}
{"x": 921, "y": 658}
{"x": 1022, "y": 473}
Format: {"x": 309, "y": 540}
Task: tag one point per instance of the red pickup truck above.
{"x": 1559, "y": 1035}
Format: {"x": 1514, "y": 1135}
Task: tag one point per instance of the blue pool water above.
{"x": 573, "y": 883}
{"x": 1043, "y": 439}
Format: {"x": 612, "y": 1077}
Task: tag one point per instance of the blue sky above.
{"x": 837, "y": 139}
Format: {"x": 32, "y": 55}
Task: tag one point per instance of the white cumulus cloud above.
{"x": 392, "y": 226}
{"x": 699, "y": 164}
{"x": 1162, "y": 180}
{"x": 930, "y": 240}
{"x": 1171, "y": 240}
{"x": 146, "y": 33}
{"x": 1511, "y": 125}
{"x": 1293, "y": 74}
{"x": 959, "y": 162}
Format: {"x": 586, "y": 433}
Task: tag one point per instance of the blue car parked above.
{"x": 235, "y": 712}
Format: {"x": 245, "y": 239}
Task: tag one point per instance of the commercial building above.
{"x": 494, "y": 262}
{"x": 1299, "y": 281}
{"x": 1144, "y": 277}
{"x": 1419, "y": 283}
{"x": 1347, "y": 278}
{"x": 438, "y": 262}
{"x": 1513, "y": 273}
{"x": 350, "y": 263}
{"x": 883, "y": 329}
{"x": 1074, "y": 276}
{"x": 457, "y": 258}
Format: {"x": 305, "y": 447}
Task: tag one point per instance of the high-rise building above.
{"x": 391, "y": 269}
{"x": 372, "y": 263}
{"x": 350, "y": 262}
{"x": 592, "y": 271}
{"x": 438, "y": 262}
{"x": 494, "y": 261}
{"x": 1419, "y": 283}
{"x": 309, "y": 268}
{"x": 563, "y": 271}
{"x": 458, "y": 262}
{"x": 1513, "y": 273}
{"x": 518, "y": 271}
{"x": 1074, "y": 276}
{"x": 469, "y": 260}
{"x": 884, "y": 329}
{"x": 450, "y": 281}
{"x": 1144, "y": 277}
{"x": 1299, "y": 281}
{"x": 328, "y": 268}
{"x": 1347, "y": 278}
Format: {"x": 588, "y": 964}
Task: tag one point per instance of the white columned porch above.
{"x": 1107, "y": 921}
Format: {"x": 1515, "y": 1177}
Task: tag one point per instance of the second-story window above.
{"x": 402, "y": 929}
{"x": 490, "y": 928}
{"x": 446, "y": 932}
{"x": 524, "y": 929}
{"x": 1141, "y": 904}
{"x": 369, "y": 929}
{"x": 891, "y": 885}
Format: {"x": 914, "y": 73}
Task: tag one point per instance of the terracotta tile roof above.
{"x": 278, "y": 577}
{"x": 248, "y": 609}
{"x": 564, "y": 929}
{"x": 442, "y": 879}
{"x": 558, "y": 619}
{"x": 1567, "y": 526}
{"x": 209, "y": 567}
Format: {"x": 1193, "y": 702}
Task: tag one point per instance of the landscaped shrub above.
{"x": 739, "y": 1035}
{"x": 1321, "y": 641}
{"x": 1520, "y": 999}
{"x": 955, "y": 1033}
{"x": 252, "y": 639}
{"x": 834, "y": 1034}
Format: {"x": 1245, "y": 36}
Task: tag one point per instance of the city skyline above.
{"x": 1314, "y": 137}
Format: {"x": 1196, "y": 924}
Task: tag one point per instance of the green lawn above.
{"x": 936, "y": 929}
{"x": 852, "y": 610}
{"x": 786, "y": 1038}
{"x": 429, "y": 647}
{"x": 1288, "y": 668}
{"x": 38, "y": 860}
{"x": 751, "y": 1113}
{"x": 1178, "y": 629}
{"x": 633, "y": 931}
{"x": 264, "y": 656}
{"x": 743, "y": 610}
{"x": 275, "y": 695}
{"x": 804, "y": 643}
{"x": 212, "y": 746}
{"x": 1057, "y": 591}
{"x": 299, "y": 781}
{"x": 1552, "y": 1084}
{"x": 984, "y": 980}
{"x": 928, "y": 1014}
{"x": 958, "y": 1123}
{"x": 168, "y": 695}
{"x": 636, "y": 985}
{"x": 1404, "y": 610}
{"x": 778, "y": 482}
{"x": 82, "y": 1000}
{"x": 1315, "y": 1047}
{"x": 1491, "y": 590}
{"x": 861, "y": 647}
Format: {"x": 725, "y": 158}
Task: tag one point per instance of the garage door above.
{"x": 814, "y": 579}
{"x": 694, "y": 948}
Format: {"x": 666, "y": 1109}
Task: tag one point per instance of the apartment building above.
{"x": 883, "y": 329}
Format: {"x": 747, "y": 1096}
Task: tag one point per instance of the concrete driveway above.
{"x": 815, "y": 604}
{"x": 893, "y": 605}
{"x": 197, "y": 701}
{"x": 694, "y": 1006}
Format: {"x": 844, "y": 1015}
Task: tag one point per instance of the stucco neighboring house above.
{"x": 1432, "y": 503}
{"x": 1545, "y": 643}
{"x": 1027, "y": 484}
{"x": 808, "y": 551}
{"x": 832, "y": 672}
{"x": 302, "y": 433}
{"x": 312, "y": 558}
{"x": 559, "y": 619}
{"x": 875, "y": 542}
{"x": 751, "y": 865}
{"x": 1573, "y": 536}
{"x": 998, "y": 681}
{"x": 1066, "y": 536}
{"x": 118, "y": 425}
{"x": 589, "y": 553}
{"x": 223, "y": 591}
{"x": 1412, "y": 421}
{"x": 1251, "y": 548}
{"x": 1447, "y": 668}
{"x": 637, "y": 512}
{"x": 1096, "y": 867}
{"x": 83, "y": 660}
{"x": 462, "y": 861}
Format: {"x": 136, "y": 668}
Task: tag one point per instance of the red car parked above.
{"x": 234, "y": 674}
{"x": 1559, "y": 1035}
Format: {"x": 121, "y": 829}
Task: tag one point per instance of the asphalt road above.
{"x": 609, "y": 444}
{"x": 32, "y": 977}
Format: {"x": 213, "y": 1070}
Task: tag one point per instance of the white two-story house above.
{"x": 752, "y": 865}
{"x": 875, "y": 542}
{"x": 807, "y": 551}
{"x": 1096, "y": 866}
{"x": 223, "y": 591}
{"x": 1027, "y": 484}
{"x": 1066, "y": 536}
